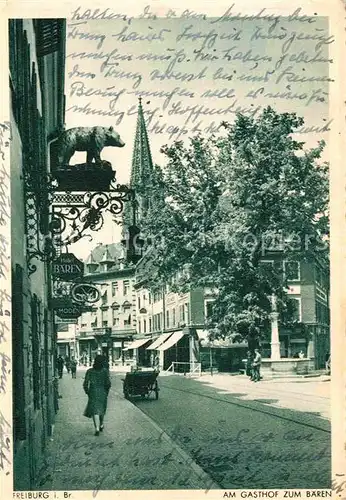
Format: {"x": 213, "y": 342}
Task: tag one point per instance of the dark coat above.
{"x": 60, "y": 362}
{"x": 96, "y": 385}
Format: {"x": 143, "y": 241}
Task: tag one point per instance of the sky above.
{"x": 202, "y": 71}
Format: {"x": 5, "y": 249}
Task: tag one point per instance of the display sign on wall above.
{"x": 71, "y": 311}
{"x": 67, "y": 267}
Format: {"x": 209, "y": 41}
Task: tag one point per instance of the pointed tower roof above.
{"x": 142, "y": 172}
{"x": 91, "y": 264}
{"x": 142, "y": 163}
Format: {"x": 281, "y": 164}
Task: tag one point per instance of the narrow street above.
{"x": 213, "y": 432}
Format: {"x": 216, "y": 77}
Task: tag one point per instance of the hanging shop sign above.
{"x": 85, "y": 293}
{"x": 58, "y": 302}
{"x": 67, "y": 267}
{"x": 70, "y": 311}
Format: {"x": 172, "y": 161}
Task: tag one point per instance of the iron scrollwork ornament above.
{"x": 39, "y": 246}
{"x": 85, "y": 293}
{"x": 74, "y": 214}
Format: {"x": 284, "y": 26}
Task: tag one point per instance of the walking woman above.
{"x": 96, "y": 385}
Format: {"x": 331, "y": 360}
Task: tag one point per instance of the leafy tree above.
{"x": 224, "y": 203}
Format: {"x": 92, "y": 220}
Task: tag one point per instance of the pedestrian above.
{"x": 68, "y": 364}
{"x": 105, "y": 361}
{"x": 157, "y": 363}
{"x": 248, "y": 364}
{"x": 84, "y": 359}
{"x": 60, "y": 365}
{"x": 74, "y": 367}
{"x": 96, "y": 385}
{"x": 256, "y": 365}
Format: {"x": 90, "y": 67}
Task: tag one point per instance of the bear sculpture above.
{"x": 89, "y": 139}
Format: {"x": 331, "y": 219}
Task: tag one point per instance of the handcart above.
{"x": 141, "y": 384}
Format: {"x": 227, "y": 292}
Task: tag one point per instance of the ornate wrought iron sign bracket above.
{"x": 74, "y": 214}
{"x": 38, "y": 246}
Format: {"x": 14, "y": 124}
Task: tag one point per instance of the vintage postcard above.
{"x": 172, "y": 200}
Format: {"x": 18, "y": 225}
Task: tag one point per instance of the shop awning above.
{"x": 136, "y": 343}
{"x": 171, "y": 341}
{"x": 162, "y": 338}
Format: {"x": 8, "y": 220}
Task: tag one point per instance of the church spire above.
{"x": 142, "y": 164}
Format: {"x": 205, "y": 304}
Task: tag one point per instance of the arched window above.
{"x": 126, "y": 305}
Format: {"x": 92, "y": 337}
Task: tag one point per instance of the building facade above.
{"x": 186, "y": 316}
{"x": 111, "y": 323}
{"x": 308, "y": 291}
{"x": 37, "y": 56}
